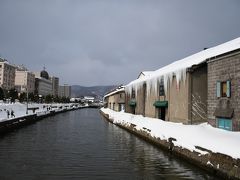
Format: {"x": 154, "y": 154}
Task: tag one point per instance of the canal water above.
{"x": 82, "y": 145}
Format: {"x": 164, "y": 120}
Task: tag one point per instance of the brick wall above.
{"x": 223, "y": 69}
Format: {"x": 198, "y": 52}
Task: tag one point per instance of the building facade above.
{"x": 43, "y": 85}
{"x": 24, "y": 81}
{"x": 64, "y": 91}
{"x": 55, "y": 85}
{"x": 88, "y": 99}
{"x": 7, "y": 75}
{"x": 203, "y": 87}
{"x": 184, "y": 101}
{"x": 224, "y": 91}
{"x": 115, "y": 99}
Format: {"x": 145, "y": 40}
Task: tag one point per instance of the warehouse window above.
{"x": 223, "y": 123}
{"x": 161, "y": 88}
{"x": 224, "y": 89}
{"x": 133, "y": 94}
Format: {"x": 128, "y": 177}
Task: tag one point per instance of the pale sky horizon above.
{"x": 109, "y": 42}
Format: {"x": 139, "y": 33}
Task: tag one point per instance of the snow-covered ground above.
{"x": 19, "y": 109}
{"x": 187, "y": 136}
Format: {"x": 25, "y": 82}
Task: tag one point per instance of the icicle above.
{"x": 184, "y": 75}
{"x": 148, "y": 88}
{"x": 152, "y": 82}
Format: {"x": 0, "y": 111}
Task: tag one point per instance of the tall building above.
{"x": 43, "y": 85}
{"x": 64, "y": 91}
{"x": 7, "y": 75}
{"x": 24, "y": 80}
{"x": 55, "y": 85}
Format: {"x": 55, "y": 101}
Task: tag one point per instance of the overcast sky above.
{"x": 105, "y": 42}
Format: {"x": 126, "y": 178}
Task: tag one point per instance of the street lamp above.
{"x": 26, "y": 88}
{"x": 8, "y": 96}
{"x": 27, "y": 100}
{"x": 40, "y": 98}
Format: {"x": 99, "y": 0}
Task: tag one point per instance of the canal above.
{"x": 82, "y": 145}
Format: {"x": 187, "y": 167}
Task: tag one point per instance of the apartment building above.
{"x": 64, "y": 91}
{"x": 7, "y": 75}
{"x": 24, "y": 80}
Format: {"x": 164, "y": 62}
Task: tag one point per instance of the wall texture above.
{"x": 222, "y": 69}
{"x": 198, "y": 95}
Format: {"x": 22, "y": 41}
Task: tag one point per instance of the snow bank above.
{"x": 20, "y": 109}
{"x": 179, "y": 68}
{"x": 187, "y": 136}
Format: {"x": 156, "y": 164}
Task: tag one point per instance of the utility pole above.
{"x": 27, "y": 100}
{"x": 26, "y": 88}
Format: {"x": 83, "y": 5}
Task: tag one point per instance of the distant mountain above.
{"x": 96, "y": 91}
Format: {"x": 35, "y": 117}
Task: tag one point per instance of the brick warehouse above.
{"x": 224, "y": 91}
{"x": 210, "y": 91}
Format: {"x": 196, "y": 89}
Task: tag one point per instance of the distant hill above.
{"x": 96, "y": 91}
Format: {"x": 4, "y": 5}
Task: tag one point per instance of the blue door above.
{"x": 223, "y": 123}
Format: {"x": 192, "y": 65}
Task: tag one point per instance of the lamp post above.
{"x": 27, "y": 100}
{"x": 40, "y": 98}
{"x": 26, "y": 88}
{"x": 8, "y": 96}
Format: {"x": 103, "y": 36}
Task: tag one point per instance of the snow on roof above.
{"x": 144, "y": 73}
{"x": 179, "y": 67}
{"x": 118, "y": 89}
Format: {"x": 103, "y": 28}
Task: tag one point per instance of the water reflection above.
{"x": 81, "y": 145}
{"x": 149, "y": 162}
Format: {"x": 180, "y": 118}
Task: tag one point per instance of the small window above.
{"x": 120, "y": 95}
{"x": 133, "y": 94}
{"x": 224, "y": 89}
{"x": 224, "y": 124}
{"x": 161, "y": 88}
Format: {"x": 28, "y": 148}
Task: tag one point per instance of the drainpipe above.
{"x": 190, "y": 89}
{"x": 169, "y": 100}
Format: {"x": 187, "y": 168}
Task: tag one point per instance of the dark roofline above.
{"x": 194, "y": 67}
{"x": 212, "y": 59}
{"x": 230, "y": 53}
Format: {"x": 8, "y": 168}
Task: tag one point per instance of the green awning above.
{"x": 132, "y": 103}
{"x": 159, "y": 104}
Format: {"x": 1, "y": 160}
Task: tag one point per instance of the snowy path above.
{"x": 20, "y": 109}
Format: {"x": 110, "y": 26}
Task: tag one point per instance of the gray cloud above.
{"x": 92, "y": 42}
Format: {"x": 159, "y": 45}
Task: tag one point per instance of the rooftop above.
{"x": 179, "y": 67}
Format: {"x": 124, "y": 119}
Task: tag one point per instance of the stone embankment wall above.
{"x": 218, "y": 164}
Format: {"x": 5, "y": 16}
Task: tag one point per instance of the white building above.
{"x": 88, "y": 99}
{"x": 64, "y": 91}
{"x": 7, "y": 75}
{"x": 75, "y": 99}
{"x": 24, "y": 80}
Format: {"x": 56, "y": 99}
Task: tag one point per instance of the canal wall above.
{"x": 218, "y": 164}
{"x": 11, "y": 124}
